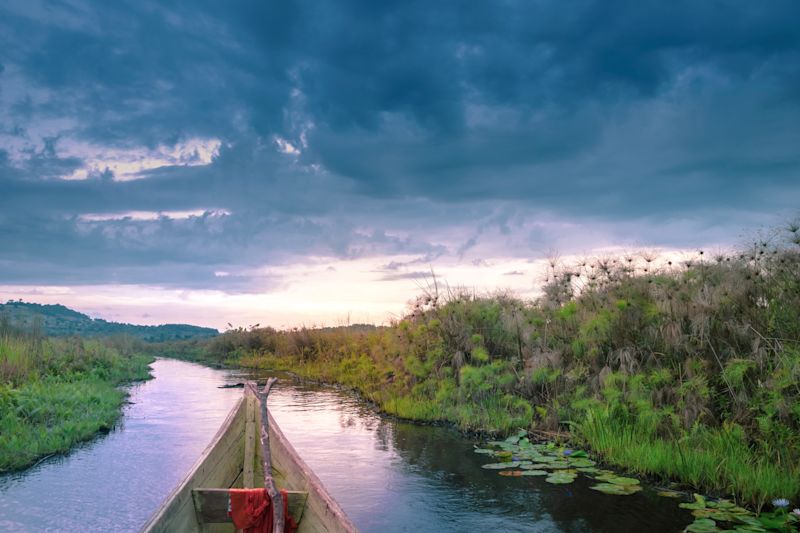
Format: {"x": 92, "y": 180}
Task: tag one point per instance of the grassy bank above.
{"x": 686, "y": 371}
{"x": 55, "y": 393}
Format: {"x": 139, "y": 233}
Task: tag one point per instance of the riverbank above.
{"x": 57, "y": 392}
{"x": 685, "y": 372}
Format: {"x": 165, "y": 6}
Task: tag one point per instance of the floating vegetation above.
{"x": 498, "y": 466}
{"x": 562, "y": 466}
{"x": 710, "y": 514}
{"x": 559, "y": 478}
{"x": 535, "y": 473}
{"x": 485, "y": 451}
{"x": 619, "y": 480}
{"x": 557, "y": 464}
{"x": 582, "y": 463}
{"x": 702, "y": 525}
{"x": 619, "y": 490}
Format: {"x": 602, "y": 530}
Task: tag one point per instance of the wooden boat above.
{"x": 245, "y": 453}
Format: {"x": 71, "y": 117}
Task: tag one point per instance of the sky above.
{"x": 314, "y": 162}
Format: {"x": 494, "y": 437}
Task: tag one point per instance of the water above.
{"x": 387, "y": 475}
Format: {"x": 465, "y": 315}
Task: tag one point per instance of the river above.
{"x": 387, "y": 475}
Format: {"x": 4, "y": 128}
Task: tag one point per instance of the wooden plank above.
{"x": 322, "y": 512}
{"x": 222, "y": 466}
{"x": 219, "y": 465}
{"x": 212, "y": 505}
{"x": 266, "y": 456}
{"x": 249, "y": 442}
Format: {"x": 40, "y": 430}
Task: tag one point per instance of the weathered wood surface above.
{"x": 212, "y": 505}
{"x": 222, "y": 466}
{"x": 218, "y": 466}
{"x": 249, "y": 442}
{"x": 322, "y": 512}
{"x": 266, "y": 455}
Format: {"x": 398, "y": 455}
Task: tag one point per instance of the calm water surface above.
{"x": 387, "y": 475}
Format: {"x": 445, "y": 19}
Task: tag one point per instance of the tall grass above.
{"x": 685, "y": 356}
{"x": 57, "y": 392}
{"x": 716, "y": 459}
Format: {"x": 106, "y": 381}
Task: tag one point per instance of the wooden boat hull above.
{"x": 223, "y": 466}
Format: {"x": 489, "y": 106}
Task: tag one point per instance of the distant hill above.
{"x": 57, "y": 320}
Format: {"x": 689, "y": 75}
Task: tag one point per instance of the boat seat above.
{"x": 211, "y": 505}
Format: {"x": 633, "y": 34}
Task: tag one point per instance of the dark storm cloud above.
{"x": 400, "y": 116}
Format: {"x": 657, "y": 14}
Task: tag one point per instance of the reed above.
{"x": 694, "y": 365}
{"x": 55, "y": 393}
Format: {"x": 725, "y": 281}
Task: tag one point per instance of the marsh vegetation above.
{"x": 686, "y": 371}
{"x": 55, "y": 392}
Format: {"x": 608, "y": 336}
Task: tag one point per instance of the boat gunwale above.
{"x": 221, "y": 432}
{"x": 315, "y": 485}
{"x": 314, "y": 482}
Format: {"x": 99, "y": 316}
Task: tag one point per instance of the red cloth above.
{"x": 251, "y": 511}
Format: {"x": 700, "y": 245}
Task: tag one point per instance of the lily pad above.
{"x": 699, "y": 503}
{"x": 749, "y": 529}
{"x": 619, "y": 480}
{"x": 535, "y": 466}
{"x": 535, "y": 473}
{"x": 485, "y": 451}
{"x": 618, "y": 490}
{"x": 670, "y": 494}
{"x": 588, "y": 469}
{"x": 560, "y": 478}
{"x": 580, "y": 462}
{"x": 719, "y": 515}
{"x": 498, "y": 466}
{"x": 772, "y": 520}
{"x": 721, "y": 504}
{"x": 604, "y": 475}
{"x": 748, "y": 520}
{"x": 511, "y": 473}
{"x": 702, "y": 525}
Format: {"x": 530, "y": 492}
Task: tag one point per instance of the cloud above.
{"x": 210, "y": 138}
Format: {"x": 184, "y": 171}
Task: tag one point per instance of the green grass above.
{"x": 55, "y": 393}
{"x": 713, "y": 459}
{"x": 695, "y": 365}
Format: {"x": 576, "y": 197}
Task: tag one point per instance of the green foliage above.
{"x": 693, "y": 368}
{"x": 56, "y": 392}
{"x": 57, "y": 320}
{"x": 715, "y": 459}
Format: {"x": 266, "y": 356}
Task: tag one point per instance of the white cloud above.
{"x": 128, "y": 164}
{"x": 285, "y": 147}
{"x": 152, "y": 215}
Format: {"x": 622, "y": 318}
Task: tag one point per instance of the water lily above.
{"x": 780, "y": 502}
{"x": 796, "y": 512}
{"x": 567, "y": 452}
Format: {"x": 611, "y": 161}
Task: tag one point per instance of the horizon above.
{"x": 310, "y": 164}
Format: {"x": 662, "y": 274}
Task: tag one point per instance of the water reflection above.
{"x": 387, "y": 475}
{"x": 114, "y": 482}
{"x": 396, "y": 476}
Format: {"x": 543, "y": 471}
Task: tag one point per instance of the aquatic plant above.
{"x": 684, "y": 370}
{"x": 57, "y": 392}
